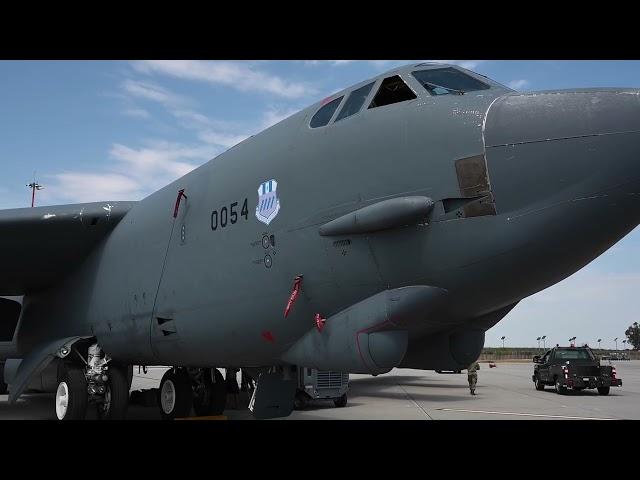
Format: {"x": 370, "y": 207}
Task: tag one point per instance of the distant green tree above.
{"x": 633, "y": 334}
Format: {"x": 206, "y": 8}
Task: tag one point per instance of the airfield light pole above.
{"x": 572, "y": 339}
{"x": 538, "y": 342}
{"x": 544, "y": 343}
{"x": 502, "y": 338}
{"x": 599, "y": 340}
{"x": 34, "y": 186}
{"x": 616, "y": 340}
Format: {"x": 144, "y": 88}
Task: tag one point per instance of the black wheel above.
{"x": 604, "y": 390}
{"x": 116, "y": 395}
{"x": 175, "y": 396}
{"x": 301, "y": 401}
{"x": 210, "y": 395}
{"x": 340, "y": 401}
{"x": 539, "y": 384}
{"x": 71, "y": 395}
{"x": 560, "y": 389}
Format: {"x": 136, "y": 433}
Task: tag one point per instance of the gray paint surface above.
{"x": 561, "y": 171}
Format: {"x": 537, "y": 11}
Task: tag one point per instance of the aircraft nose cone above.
{"x": 564, "y": 169}
{"x": 555, "y": 146}
{"x": 562, "y": 114}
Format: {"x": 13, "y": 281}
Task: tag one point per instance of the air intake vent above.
{"x": 332, "y": 379}
{"x": 167, "y": 326}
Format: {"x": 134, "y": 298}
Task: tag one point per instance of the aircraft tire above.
{"x": 212, "y": 398}
{"x": 340, "y": 402}
{"x": 175, "y": 395}
{"x": 71, "y": 395}
{"x": 117, "y": 395}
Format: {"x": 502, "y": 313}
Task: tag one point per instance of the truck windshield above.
{"x": 573, "y": 355}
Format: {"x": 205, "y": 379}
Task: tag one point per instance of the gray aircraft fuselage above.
{"x": 209, "y": 287}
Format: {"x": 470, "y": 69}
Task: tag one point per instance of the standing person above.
{"x": 472, "y": 376}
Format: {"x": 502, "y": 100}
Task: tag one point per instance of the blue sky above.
{"x": 118, "y": 130}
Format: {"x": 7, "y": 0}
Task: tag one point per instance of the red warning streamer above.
{"x": 180, "y": 195}
{"x": 320, "y": 321}
{"x": 297, "y": 286}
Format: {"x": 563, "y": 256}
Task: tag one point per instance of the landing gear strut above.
{"x": 98, "y": 383}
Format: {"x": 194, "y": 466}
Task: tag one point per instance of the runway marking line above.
{"x": 522, "y": 414}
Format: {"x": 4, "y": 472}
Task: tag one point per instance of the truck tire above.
{"x": 539, "y": 384}
{"x": 560, "y": 389}
{"x": 604, "y": 390}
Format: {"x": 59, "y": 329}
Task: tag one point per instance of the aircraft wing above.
{"x": 39, "y": 246}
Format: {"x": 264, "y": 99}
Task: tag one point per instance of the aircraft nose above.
{"x": 564, "y": 169}
{"x": 557, "y": 146}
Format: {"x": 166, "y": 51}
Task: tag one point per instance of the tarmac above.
{"x": 505, "y": 392}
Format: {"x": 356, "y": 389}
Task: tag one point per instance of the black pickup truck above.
{"x": 574, "y": 368}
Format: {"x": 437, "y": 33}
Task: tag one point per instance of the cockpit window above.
{"x": 392, "y": 90}
{"x": 323, "y": 116}
{"x": 354, "y": 102}
{"x": 442, "y": 81}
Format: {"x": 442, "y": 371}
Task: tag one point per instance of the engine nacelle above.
{"x": 445, "y": 351}
{"x": 368, "y": 337}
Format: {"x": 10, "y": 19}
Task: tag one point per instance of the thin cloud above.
{"x": 273, "y": 116}
{"x": 226, "y": 140}
{"x": 518, "y": 84}
{"x": 162, "y": 157}
{"x": 152, "y": 92}
{"x": 82, "y": 187}
{"x": 241, "y": 76}
{"x": 133, "y": 173}
{"x": 136, "y": 113}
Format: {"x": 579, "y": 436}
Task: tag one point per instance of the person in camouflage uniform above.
{"x": 472, "y": 376}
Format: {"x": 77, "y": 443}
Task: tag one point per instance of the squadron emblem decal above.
{"x": 268, "y": 202}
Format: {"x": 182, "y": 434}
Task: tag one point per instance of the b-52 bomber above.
{"x": 389, "y": 225}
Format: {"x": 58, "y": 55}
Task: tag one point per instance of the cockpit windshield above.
{"x": 443, "y": 81}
